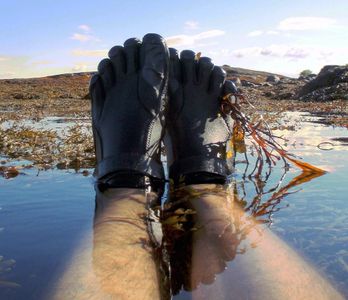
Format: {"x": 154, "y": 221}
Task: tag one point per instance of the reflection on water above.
{"x": 43, "y": 218}
{"x": 217, "y": 251}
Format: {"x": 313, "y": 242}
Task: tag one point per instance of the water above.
{"x": 314, "y": 220}
{"x": 43, "y": 218}
{"x": 58, "y": 124}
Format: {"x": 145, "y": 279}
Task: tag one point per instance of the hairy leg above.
{"x": 119, "y": 263}
{"x": 218, "y": 268}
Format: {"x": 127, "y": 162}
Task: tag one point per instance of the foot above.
{"x": 198, "y": 132}
{"x": 128, "y": 95}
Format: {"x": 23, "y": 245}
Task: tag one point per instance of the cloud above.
{"x": 209, "y": 34}
{"x": 285, "y": 51}
{"x": 303, "y": 53}
{"x": 272, "y": 32}
{"x": 307, "y": 23}
{"x": 255, "y": 33}
{"x": 298, "y": 24}
{"x": 262, "y": 32}
{"x": 85, "y": 28}
{"x": 191, "y": 25}
{"x": 28, "y": 67}
{"x": 7, "y": 75}
{"x": 12, "y": 66}
{"x": 90, "y": 53}
{"x": 245, "y": 52}
{"x": 83, "y": 37}
{"x": 80, "y": 67}
{"x": 183, "y": 39}
{"x": 42, "y": 62}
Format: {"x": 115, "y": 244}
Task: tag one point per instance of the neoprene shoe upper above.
{"x": 198, "y": 132}
{"x": 128, "y": 100}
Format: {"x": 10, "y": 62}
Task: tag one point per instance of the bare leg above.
{"x": 119, "y": 263}
{"x": 269, "y": 269}
{"x": 128, "y": 100}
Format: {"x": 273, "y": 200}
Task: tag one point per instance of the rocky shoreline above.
{"x": 330, "y": 84}
{"x": 66, "y": 97}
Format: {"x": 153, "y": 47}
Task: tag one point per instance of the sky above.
{"x": 44, "y": 37}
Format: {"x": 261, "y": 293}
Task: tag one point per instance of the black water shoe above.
{"x": 198, "y": 132}
{"x": 128, "y": 99}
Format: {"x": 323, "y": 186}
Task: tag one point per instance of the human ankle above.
{"x": 200, "y": 178}
{"x": 130, "y": 179}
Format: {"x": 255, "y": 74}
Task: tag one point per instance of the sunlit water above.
{"x": 314, "y": 220}
{"x": 57, "y": 124}
{"x": 44, "y": 217}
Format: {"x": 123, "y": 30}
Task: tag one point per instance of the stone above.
{"x": 269, "y": 94}
{"x": 247, "y": 83}
{"x": 307, "y": 77}
{"x": 273, "y": 78}
{"x": 267, "y": 84}
{"x": 236, "y": 81}
{"x": 328, "y": 76}
{"x": 286, "y": 95}
{"x": 334, "y": 92}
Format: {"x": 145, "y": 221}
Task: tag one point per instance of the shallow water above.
{"x": 58, "y": 124}
{"x": 44, "y": 217}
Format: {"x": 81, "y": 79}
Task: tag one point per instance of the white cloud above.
{"x": 262, "y": 32}
{"x": 286, "y": 51}
{"x": 322, "y": 55}
{"x": 13, "y": 66}
{"x": 28, "y": 67}
{"x": 7, "y": 75}
{"x": 250, "y": 51}
{"x": 41, "y": 62}
{"x": 80, "y": 67}
{"x": 183, "y": 39}
{"x": 191, "y": 25}
{"x": 85, "y": 28}
{"x": 83, "y": 37}
{"x": 209, "y": 34}
{"x": 307, "y": 23}
{"x": 255, "y": 33}
{"x": 90, "y": 53}
{"x": 272, "y": 32}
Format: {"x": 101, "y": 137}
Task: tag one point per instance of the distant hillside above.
{"x": 75, "y": 85}
{"x": 249, "y": 75}
{"x": 72, "y": 85}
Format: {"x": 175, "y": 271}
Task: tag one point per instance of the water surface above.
{"x": 44, "y": 216}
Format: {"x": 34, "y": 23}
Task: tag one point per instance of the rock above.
{"x": 267, "y": 84}
{"x": 273, "y": 78}
{"x": 269, "y": 94}
{"x": 307, "y": 77}
{"x": 334, "y": 92}
{"x": 248, "y": 83}
{"x": 286, "y": 95}
{"x": 86, "y": 97}
{"x": 289, "y": 81}
{"x": 328, "y": 76}
{"x": 236, "y": 81}
{"x": 21, "y": 96}
{"x": 18, "y": 96}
